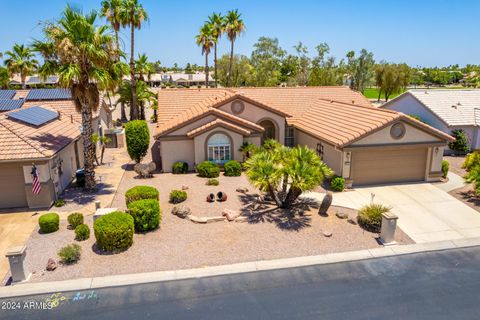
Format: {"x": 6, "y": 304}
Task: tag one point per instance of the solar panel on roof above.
{"x": 36, "y": 115}
{"x": 7, "y": 105}
{"x": 7, "y": 94}
{"x": 49, "y": 94}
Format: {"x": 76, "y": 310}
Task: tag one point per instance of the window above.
{"x": 397, "y": 131}
{"x": 289, "y": 137}
{"x": 218, "y": 148}
{"x": 237, "y": 107}
{"x": 320, "y": 150}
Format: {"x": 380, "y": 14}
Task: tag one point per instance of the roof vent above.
{"x": 459, "y": 104}
{"x": 454, "y": 107}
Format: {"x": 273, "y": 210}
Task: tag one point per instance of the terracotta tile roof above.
{"x": 218, "y": 123}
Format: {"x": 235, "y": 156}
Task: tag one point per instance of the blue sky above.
{"x": 418, "y": 32}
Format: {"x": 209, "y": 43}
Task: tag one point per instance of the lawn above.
{"x": 372, "y": 93}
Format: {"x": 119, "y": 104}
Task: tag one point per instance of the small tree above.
{"x": 103, "y": 140}
{"x": 138, "y": 139}
{"x": 461, "y": 143}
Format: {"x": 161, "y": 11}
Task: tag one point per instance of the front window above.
{"x": 289, "y": 137}
{"x": 320, "y": 150}
{"x": 218, "y": 148}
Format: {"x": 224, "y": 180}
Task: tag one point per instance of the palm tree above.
{"x": 205, "y": 40}
{"x": 217, "y": 24}
{"x": 85, "y": 58}
{"x": 133, "y": 15}
{"x": 21, "y": 60}
{"x": 234, "y": 26}
{"x": 4, "y": 78}
{"x": 143, "y": 94}
{"x": 143, "y": 67}
{"x": 111, "y": 11}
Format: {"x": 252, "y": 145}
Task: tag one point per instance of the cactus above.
{"x": 326, "y": 202}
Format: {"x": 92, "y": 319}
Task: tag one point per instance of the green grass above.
{"x": 372, "y": 93}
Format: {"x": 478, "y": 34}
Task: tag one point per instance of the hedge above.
{"x": 177, "y": 196}
{"x": 49, "y": 222}
{"x": 180, "y": 167}
{"x": 233, "y": 168}
{"x": 141, "y": 192}
{"x": 70, "y": 254}
{"x": 75, "y": 219}
{"x": 445, "y": 168}
{"x": 337, "y": 183}
{"x": 114, "y": 231}
{"x": 138, "y": 139}
{"x": 213, "y": 182}
{"x": 82, "y": 232}
{"x": 208, "y": 169}
{"x": 146, "y": 214}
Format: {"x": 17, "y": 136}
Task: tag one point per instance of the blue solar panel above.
{"x": 7, "y": 105}
{"x": 7, "y": 94}
{"x": 36, "y": 116}
{"x": 49, "y": 94}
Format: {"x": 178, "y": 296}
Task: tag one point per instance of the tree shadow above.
{"x": 470, "y": 196}
{"x": 77, "y": 195}
{"x": 101, "y": 252}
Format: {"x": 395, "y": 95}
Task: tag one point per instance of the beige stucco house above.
{"x": 364, "y": 144}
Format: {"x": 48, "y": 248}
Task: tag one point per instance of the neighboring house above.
{"x": 35, "y": 80}
{"x": 42, "y": 128}
{"x": 364, "y": 144}
{"x": 445, "y": 110}
{"x": 178, "y": 79}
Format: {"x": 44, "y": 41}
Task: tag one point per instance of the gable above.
{"x": 250, "y": 112}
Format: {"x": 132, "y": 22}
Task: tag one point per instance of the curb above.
{"x": 26, "y": 289}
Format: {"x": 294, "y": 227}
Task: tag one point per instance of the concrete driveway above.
{"x": 426, "y": 212}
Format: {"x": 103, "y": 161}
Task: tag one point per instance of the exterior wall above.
{"x": 256, "y": 140}
{"x": 12, "y": 186}
{"x": 47, "y": 193}
{"x": 434, "y": 163}
{"x": 331, "y": 156}
{"x": 200, "y": 143}
{"x": 172, "y": 151}
{"x": 65, "y": 159}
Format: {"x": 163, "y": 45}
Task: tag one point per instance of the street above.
{"x": 435, "y": 285}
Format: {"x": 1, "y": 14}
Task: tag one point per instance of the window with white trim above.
{"x": 218, "y": 148}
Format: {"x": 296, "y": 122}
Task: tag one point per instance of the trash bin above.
{"x": 387, "y": 231}
{"x": 16, "y": 257}
{"x": 80, "y": 177}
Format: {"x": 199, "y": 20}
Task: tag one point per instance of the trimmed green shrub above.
{"x": 177, "y": 196}
{"x": 138, "y": 139}
{"x": 208, "y": 169}
{"x": 233, "y": 168}
{"x": 337, "y": 183}
{"x": 59, "y": 203}
{"x": 49, "y": 222}
{"x": 180, "y": 167}
{"x": 213, "y": 182}
{"x": 114, "y": 231}
{"x": 461, "y": 144}
{"x": 472, "y": 160}
{"x": 370, "y": 216}
{"x": 70, "y": 254}
{"x": 75, "y": 219}
{"x": 146, "y": 214}
{"x": 141, "y": 192}
{"x": 445, "y": 168}
{"x": 82, "y": 232}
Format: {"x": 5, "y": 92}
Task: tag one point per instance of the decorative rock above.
{"x": 341, "y": 215}
{"x": 211, "y": 197}
{"x": 241, "y": 219}
{"x": 51, "y": 265}
{"x": 326, "y": 202}
{"x": 242, "y": 190}
{"x": 181, "y": 211}
{"x": 215, "y": 219}
{"x": 231, "y": 214}
{"x": 184, "y": 187}
{"x": 196, "y": 219}
{"x": 327, "y": 234}
{"x": 352, "y": 221}
{"x": 221, "y": 196}
{"x": 145, "y": 170}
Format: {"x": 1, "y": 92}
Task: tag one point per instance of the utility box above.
{"x": 16, "y": 258}
{"x": 102, "y": 211}
{"x": 389, "y": 226}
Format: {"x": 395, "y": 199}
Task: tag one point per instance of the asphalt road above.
{"x": 436, "y": 285}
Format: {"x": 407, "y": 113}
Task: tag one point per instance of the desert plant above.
{"x": 233, "y": 168}
{"x": 370, "y": 216}
{"x": 337, "y": 183}
{"x": 208, "y": 169}
{"x": 326, "y": 202}
{"x": 59, "y": 203}
{"x": 461, "y": 144}
{"x": 177, "y": 196}
{"x": 70, "y": 254}
{"x": 82, "y": 232}
{"x": 213, "y": 182}
{"x": 49, "y": 222}
{"x": 445, "y": 168}
{"x": 138, "y": 139}
{"x": 114, "y": 231}
{"x": 472, "y": 160}
{"x": 247, "y": 149}
{"x": 75, "y": 219}
{"x": 141, "y": 192}
{"x": 180, "y": 167}
{"x": 146, "y": 214}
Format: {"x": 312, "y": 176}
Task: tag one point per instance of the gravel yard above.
{"x": 181, "y": 244}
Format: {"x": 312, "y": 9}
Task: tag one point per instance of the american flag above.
{"x": 36, "y": 187}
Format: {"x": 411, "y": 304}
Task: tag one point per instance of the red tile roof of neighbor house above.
{"x": 337, "y": 115}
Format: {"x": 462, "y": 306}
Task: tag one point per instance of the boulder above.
{"x": 341, "y": 215}
{"x": 144, "y": 170}
{"x": 241, "y": 219}
{"x": 327, "y": 233}
{"x": 196, "y": 219}
{"x": 326, "y": 202}
{"x": 51, "y": 265}
{"x": 352, "y": 221}
{"x": 242, "y": 190}
{"x": 181, "y": 211}
{"x": 215, "y": 219}
{"x": 185, "y": 187}
{"x": 231, "y": 214}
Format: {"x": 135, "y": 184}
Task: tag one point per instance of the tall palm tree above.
{"x": 216, "y": 21}
{"x": 234, "y": 26}
{"x": 143, "y": 67}
{"x": 21, "y": 60}
{"x": 133, "y": 15}
{"x": 205, "y": 40}
{"x": 143, "y": 94}
{"x": 85, "y": 57}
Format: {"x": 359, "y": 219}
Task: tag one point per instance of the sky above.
{"x": 417, "y": 32}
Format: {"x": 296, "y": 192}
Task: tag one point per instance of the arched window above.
{"x": 270, "y": 132}
{"x": 219, "y": 148}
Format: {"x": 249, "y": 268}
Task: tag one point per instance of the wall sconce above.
{"x": 436, "y": 150}
{"x": 347, "y": 158}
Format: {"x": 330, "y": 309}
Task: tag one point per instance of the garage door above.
{"x": 388, "y": 166}
{"x": 12, "y": 186}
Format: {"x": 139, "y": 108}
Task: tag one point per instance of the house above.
{"x": 40, "y": 127}
{"x": 445, "y": 110}
{"x": 178, "y": 79}
{"x": 34, "y": 81}
{"x": 364, "y": 144}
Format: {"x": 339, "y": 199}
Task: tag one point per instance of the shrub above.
{"x": 82, "y": 232}
{"x": 114, "y": 231}
{"x": 75, "y": 219}
{"x": 337, "y": 183}
{"x": 208, "y": 169}
{"x": 233, "y": 168}
{"x": 145, "y": 213}
{"x": 139, "y": 193}
{"x": 138, "y": 139}
{"x": 59, "y": 203}
{"x": 177, "y": 196}
{"x": 213, "y": 182}
{"x": 180, "y": 167}
{"x": 49, "y": 222}
{"x": 461, "y": 143}
{"x": 70, "y": 254}
{"x": 472, "y": 160}
{"x": 445, "y": 168}
{"x": 370, "y": 216}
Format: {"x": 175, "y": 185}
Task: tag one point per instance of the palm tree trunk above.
{"x": 117, "y": 46}
{"x": 123, "y": 113}
{"x": 231, "y": 64}
{"x": 23, "y": 77}
{"x": 206, "y": 69}
{"x": 142, "y": 111}
{"x": 292, "y": 195}
{"x": 274, "y": 196}
{"x": 215, "y": 62}
{"x": 89, "y": 156}
{"x": 133, "y": 86}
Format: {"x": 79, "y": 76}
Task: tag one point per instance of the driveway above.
{"x": 426, "y": 212}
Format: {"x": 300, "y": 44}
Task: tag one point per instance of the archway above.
{"x": 270, "y": 129}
